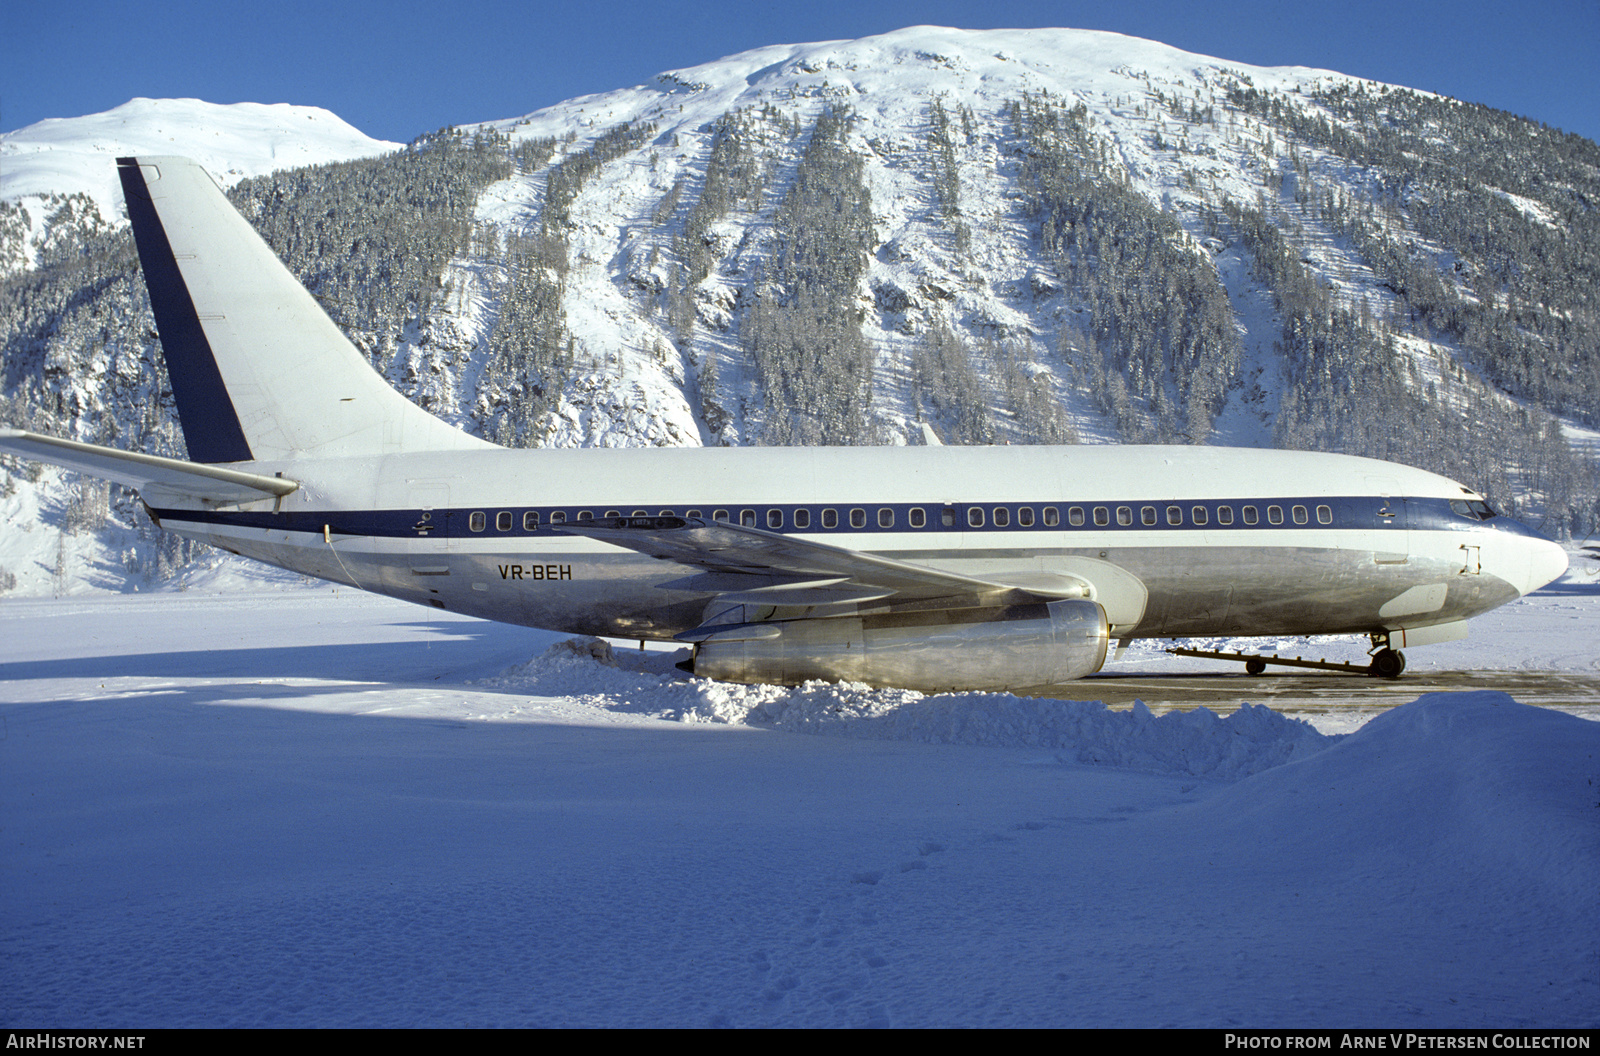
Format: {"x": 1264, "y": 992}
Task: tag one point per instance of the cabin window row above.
{"x": 1199, "y": 516}
{"x": 977, "y": 517}
{"x": 801, "y": 518}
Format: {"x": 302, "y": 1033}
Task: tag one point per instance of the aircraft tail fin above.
{"x": 258, "y": 369}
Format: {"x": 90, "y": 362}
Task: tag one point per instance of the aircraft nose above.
{"x": 1547, "y": 562}
{"x": 1530, "y": 560}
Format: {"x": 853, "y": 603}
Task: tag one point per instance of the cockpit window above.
{"x": 1476, "y": 509}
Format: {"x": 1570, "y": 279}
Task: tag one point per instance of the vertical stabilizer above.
{"x": 258, "y": 369}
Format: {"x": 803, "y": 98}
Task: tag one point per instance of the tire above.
{"x": 1387, "y": 663}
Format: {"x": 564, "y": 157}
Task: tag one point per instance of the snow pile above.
{"x": 1476, "y": 779}
{"x": 1198, "y": 743}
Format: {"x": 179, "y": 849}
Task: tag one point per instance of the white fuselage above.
{"x": 1196, "y": 540}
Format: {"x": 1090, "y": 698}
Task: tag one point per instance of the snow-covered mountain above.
{"x": 1166, "y": 123}
{"x": 1015, "y": 235}
{"x": 62, "y": 157}
{"x": 972, "y": 262}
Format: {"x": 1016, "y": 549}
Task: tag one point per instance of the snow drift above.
{"x": 1197, "y": 743}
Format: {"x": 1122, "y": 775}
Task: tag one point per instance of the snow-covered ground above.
{"x": 300, "y": 806}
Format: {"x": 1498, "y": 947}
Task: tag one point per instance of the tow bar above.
{"x": 1254, "y": 663}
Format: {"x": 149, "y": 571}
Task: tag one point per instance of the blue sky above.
{"x": 398, "y": 69}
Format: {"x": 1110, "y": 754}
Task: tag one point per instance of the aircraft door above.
{"x": 1391, "y": 519}
{"x": 429, "y": 542}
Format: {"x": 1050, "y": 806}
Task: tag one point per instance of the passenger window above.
{"x": 1052, "y": 516}
{"x": 558, "y": 517}
{"x": 830, "y": 518}
{"x": 691, "y": 513}
{"x": 858, "y": 518}
{"x": 1174, "y": 514}
{"x": 613, "y": 513}
{"x": 719, "y": 515}
{"x": 1002, "y": 517}
{"x": 975, "y": 516}
{"x": 1102, "y": 516}
{"x": 477, "y": 521}
{"x": 1274, "y": 514}
{"x": 502, "y": 521}
{"x": 747, "y": 518}
{"x": 1224, "y": 514}
{"x": 918, "y": 517}
{"x": 585, "y": 515}
{"x": 885, "y": 517}
{"x": 1249, "y": 513}
{"x": 1324, "y": 515}
{"x": 947, "y": 517}
{"x": 802, "y": 518}
{"x": 530, "y": 521}
{"x": 1147, "y": 515}
{"x": 774, "y": 518}
{"x": 1025, "y": 516}
{"x": 1074, "y": 516}
{"x": 1299, "y": 515}
{"x": 646, "y": 513}
{"x": 1198, "y": 515}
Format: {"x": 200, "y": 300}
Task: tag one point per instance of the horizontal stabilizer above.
{"x": 145, "y": 472}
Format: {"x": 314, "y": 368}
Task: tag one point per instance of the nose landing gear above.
{"x": 1386, "y": 662}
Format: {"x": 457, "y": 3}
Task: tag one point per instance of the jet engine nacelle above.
{"x": 1018, "y": 646}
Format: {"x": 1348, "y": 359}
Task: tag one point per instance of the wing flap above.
{"x": 146, "y": 472}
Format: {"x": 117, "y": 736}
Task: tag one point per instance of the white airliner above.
{"x": 924, "y": 567}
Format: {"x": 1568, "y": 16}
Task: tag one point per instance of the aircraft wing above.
{"x": 752, "y": 565}
{"x": 145, "y": 472}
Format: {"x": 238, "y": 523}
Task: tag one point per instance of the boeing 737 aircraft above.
{"x": 928, "y": 567}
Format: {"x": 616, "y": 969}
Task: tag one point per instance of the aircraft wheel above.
{"x": 1254, "y": 666}
{"x": 1388, "y": 663}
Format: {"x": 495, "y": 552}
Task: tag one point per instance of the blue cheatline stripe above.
{"x": 211, "y": 428}
{"x": 1348, "y": 512}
